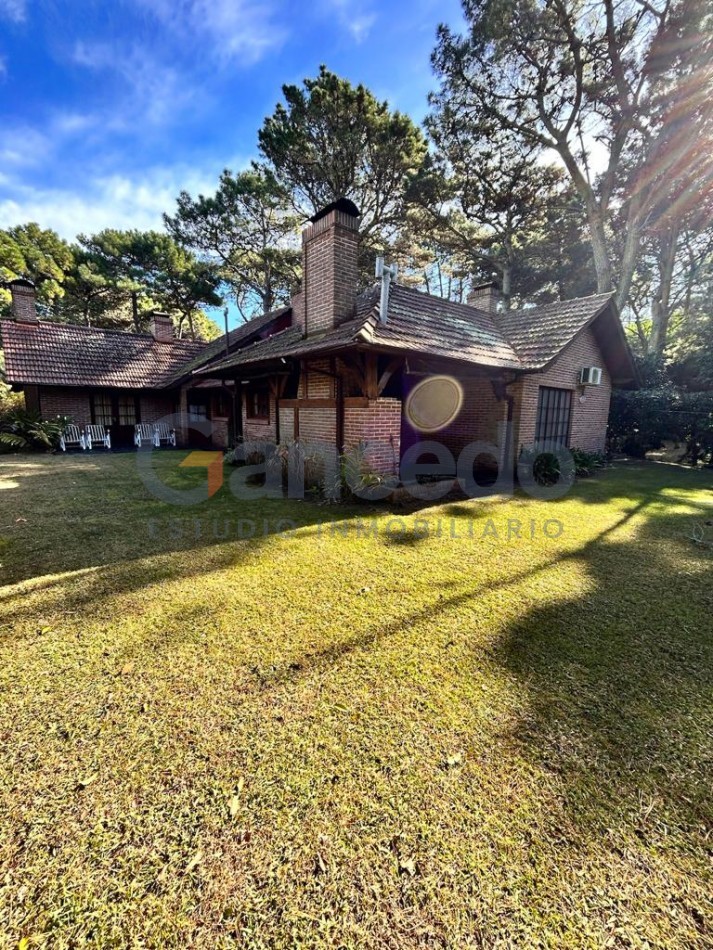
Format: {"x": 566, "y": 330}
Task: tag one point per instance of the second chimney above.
{"x": 24, "y": 300}
{"x": 330, "y": 266}
{"x": 161, "y": 327}
{"x": 485, "y": 296}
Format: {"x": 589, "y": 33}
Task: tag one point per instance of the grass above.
{"x": 332, "y": 738}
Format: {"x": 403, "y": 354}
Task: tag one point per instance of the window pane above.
{"x": 258, "y": 404}
{"x": 127, "y": 411}
{"x": 102, "y": 409}
{"x": 197, "y": 412}
{"x": 554, "y": 408}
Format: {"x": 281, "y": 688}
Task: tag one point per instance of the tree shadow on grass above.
{"x": 618, "y": 683}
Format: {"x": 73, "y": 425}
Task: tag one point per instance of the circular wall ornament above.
{"x": 434, "y": 403}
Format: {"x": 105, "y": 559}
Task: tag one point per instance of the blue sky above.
{"x": 108, "y": 108}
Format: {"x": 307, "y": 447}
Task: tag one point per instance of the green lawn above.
{"x": 335, "y": 739}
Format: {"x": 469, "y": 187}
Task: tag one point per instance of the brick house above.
{"x": 349, "y": 370}
{"x": 390, "y": 367}
{"x": 119, "y": 379}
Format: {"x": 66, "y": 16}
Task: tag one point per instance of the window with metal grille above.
{"x": 127, "y": 410}
{"x": 102, "y": 409}
{"x": 554, "y": 409}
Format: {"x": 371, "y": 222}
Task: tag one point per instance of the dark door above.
{"x": 198, "y": 417}
{"x": 125, "y": 415}
{"x": 117, "y": 412}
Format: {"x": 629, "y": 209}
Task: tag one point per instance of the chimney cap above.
{"x": 341, "y": 204}
{"x": 486, "y": 285}
{"x": 20, "y": 282}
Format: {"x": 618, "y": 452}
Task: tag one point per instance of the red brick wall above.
{"x": 317, "y": 385}
{"x": 378, "y": 423}
{"x": 330, "y": 271}
{"x": 257, "y": 429}
{"x": 154, "y": 407}
{"x": 589, "y": 418}
{"x": 287, "y": 425}
{"x": 72, "y": 402}
{"x": 318, "y": 425}
{"x": 75, "y": 403}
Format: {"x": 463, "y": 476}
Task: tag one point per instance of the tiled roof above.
{"x": 538, "y": 334}
{"x": 430, "y": 325}
{"x": 420, "y": 323}
{"x": 55, "y": 354}
{"x": 215, "y": 348}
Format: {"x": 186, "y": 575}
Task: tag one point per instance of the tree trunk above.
{"x": 506, "y": 293}
{"x": 661, "y": 304}
{"x": 595, "y": 218}
{"x": 600, "y": 249}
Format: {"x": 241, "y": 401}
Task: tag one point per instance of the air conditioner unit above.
{"x": 590, "y": 376}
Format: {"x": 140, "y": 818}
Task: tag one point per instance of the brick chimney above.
{"x": 24, "y": 308}
{"x": 161, "y": 327}
{"x": 485, "y": 296}
{"x": 298, "y": 308}
{"x": 330, "y": 248}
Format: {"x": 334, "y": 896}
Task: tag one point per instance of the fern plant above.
{"x": 21, "y": 429}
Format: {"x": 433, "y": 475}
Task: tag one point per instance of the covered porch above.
{"x": 354, "y": 397}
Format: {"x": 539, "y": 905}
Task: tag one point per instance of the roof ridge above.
{"x": 114, "y": 330}
{"x": 465, "y": 307}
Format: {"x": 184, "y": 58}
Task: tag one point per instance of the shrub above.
{"x": 643, "y": 420}
{"x": 26, "y": 430}
{"x": 586, "y": 463}
{"x": 358, "y": 480}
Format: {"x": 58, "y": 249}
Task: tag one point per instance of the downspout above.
{"x": 500, "y": 388}
{"x": 339, "y": 393}
{"x": 277, "y": 410}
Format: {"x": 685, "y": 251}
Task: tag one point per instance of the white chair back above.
{"x": 97, "y": 434}
{"x": 164, "y": 433}
{"x": 72, "y": 435}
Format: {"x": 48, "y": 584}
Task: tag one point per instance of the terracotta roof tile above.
{"x": 214, "y": 349}
{"x": 538, "y": 334}
{"x": 55, "y": 354}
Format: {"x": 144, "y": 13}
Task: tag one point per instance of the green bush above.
{"x": 586, "y": 463}
{"x": 22, "y": 430}
{"x": 641, "y": 421}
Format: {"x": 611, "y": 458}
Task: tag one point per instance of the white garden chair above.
{"x": 144, "y": 433}
{"x": 98, "y": 435}
{"x": 71, "y": 437}
{"x": 164, "y": 433}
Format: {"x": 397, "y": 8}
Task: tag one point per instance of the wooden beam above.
{"x": 354, "y": 369}
{"x": 308, "y": 403}
{"x": 372, "y": 382}
{"x": 391, "y": 368}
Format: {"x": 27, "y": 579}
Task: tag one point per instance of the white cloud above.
{"x": 241, "y": 31}
{"x": 112, "y": 201}
{"x": 14, "y": 10}
{"x": 157, "y": 94}
{"x": 354, "y": 16}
